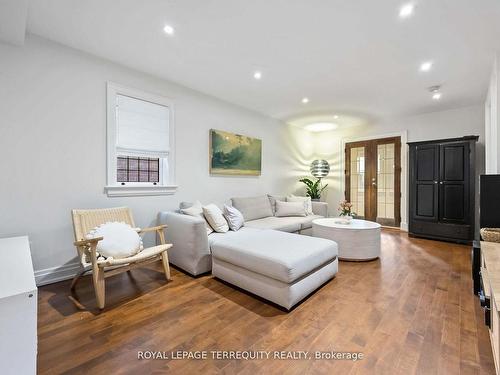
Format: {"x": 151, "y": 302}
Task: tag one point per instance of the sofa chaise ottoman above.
{"x": 281, "y": 267}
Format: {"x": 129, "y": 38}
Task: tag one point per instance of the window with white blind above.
{"x": 140, "y": 143}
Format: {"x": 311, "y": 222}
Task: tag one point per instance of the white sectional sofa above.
{"x": 272, "y": 257}
{"x": 191, "y": 251}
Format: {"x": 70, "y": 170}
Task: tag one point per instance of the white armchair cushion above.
{"x": 214, "y": 216}
{"x": 120, "y": 240}
{"x": 307, "y": 200}
{"x": 234, "y": 217}
{"x": 290, "y": 209}
{"x": 196, "y": 210}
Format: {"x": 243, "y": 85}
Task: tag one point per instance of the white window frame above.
{"x": 166, "y": 184}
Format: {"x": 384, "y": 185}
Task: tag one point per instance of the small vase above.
{"x": 348, "y": 219}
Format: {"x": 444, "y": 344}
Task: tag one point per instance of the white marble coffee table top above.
{"x": 354, "y": 224}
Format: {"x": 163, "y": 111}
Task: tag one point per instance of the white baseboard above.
{"x": 55, "y": 274}
{"x": 404, "y": 226}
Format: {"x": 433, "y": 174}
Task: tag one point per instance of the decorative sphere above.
{"x": 320, "y": 168}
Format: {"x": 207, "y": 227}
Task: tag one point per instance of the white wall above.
{"x": 492, "y": 121}
{"x": 436, "y": 125}
{"x": 53, "y": 146}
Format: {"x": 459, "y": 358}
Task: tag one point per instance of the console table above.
{"x": 490, "y": 294}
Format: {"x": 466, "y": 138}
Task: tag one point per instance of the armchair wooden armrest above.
{"x": 152, "y": 229}
{"x": 88, "y": 242}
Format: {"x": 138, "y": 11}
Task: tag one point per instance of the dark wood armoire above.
{"x": 442, "y": 189}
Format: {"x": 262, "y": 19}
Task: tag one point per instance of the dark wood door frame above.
{"x": 371, "y": 182}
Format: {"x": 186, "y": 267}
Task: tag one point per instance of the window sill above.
{"x": 134, "y": 191}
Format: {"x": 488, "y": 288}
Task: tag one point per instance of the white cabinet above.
{"x": 18, "y": 308}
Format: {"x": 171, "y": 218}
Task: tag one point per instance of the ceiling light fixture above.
{"x": 305, "y": 100}
{"x": 426, "y": 66}
{"x": 435, "y": 91}
{"x": 336, "y": 117}
{"x": 406, "y": 10}
{"x": 257, "y": 75}
{"x": 321, "y": 126}
{"x": 169, "y": 30}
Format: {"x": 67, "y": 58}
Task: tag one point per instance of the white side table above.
{"x": 357, "y": 241}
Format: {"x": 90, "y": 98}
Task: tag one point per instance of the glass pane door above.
{"x": 357, "y": 180}
{"x": 373, "y": 181}
{"x": 385, "y": 184}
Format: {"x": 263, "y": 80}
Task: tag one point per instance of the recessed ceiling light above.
{"x": 257, "y": 75}
{"x": 305, "y": 100}
{"x": 336, "y": 117}
{"x": 435, "y": 91}
{"x": 426, "y": 66}
{"x": 169, "y": 30}
{"x": 406, "y": 10}
{"x": 321, "y": 126}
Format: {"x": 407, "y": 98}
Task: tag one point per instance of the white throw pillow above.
{"x": 197, "y": 210}
{"x": 290, "y": 209}
{"x": 234, "y": 217}
{"x": 120, "y": 240}
{"x": 307, "y": 200}
{"x": 214, "y": 216}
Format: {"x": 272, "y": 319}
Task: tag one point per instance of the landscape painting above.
{"x": 234, "y": 154}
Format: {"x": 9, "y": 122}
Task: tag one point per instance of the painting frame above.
{"x": 224, "y": 145}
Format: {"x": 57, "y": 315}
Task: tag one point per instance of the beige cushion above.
{"x": 215, "y": 218}
{"x": 120, "y": 240}
{"x": 253, "y": 207}
{"x": 284, "y": 224}
{"x": 273, "y": 199}
{"x": 290, "y": 209}
{"x": 197, "y": 210}
{"x": 307, "y": 200}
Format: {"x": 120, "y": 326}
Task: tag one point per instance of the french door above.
{"x": 373, "y": 179}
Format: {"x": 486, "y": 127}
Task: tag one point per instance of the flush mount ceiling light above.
{"x": 257, "y": 75}
{"x": 406, "y": 10}
{"x": 435, "y": 91}
{"x": 426, "y": 66}
{"x": 321, "y": 126}
{"x": 169, "y": 30}
{"x": 305, "y": 100}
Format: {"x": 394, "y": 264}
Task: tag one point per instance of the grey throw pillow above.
{"x": 234, "y": 217}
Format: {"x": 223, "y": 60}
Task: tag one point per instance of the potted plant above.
{"x": 345, "y": 209}
{"x": 313, "y": 189}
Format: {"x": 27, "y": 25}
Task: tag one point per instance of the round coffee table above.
{"x": 357, "y": 241}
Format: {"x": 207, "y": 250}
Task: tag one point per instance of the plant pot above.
{"x": 315, "y": 199}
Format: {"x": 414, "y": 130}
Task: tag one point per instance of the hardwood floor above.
{"x": 411, "y": 312}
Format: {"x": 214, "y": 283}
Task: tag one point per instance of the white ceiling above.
{"x": 356, "y": 58}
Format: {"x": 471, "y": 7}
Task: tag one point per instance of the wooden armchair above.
{"x": 86, "y": 220}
